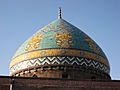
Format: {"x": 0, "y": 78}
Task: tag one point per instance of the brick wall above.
{"x": 57, "y": 84}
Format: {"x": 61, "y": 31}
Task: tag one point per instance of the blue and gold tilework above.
{"x": 59, "y": 38}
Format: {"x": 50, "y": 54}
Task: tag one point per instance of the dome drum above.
{"x": 58, "y": 71}
{"x": 60, "y": 63}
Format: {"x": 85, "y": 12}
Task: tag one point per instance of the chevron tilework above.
{"x": 61, "y": 60}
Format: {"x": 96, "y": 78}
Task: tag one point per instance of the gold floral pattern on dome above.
{"x": 92, "y": 45}
{"x": 48, "y": 28}
{"x": 63, "y": 40}
{"x": 34, "y": 42}
{"x": 58, "y": 52}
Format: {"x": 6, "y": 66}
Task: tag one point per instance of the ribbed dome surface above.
{"x": 58, "y": 39}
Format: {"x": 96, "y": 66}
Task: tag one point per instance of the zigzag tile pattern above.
{"x": 62, "y": 60}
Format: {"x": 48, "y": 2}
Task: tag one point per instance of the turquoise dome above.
{"x": 78, "y": 39}
{"x": 63, "y": 36}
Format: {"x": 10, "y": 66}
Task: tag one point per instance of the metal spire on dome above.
{"x": 59, "y": 13}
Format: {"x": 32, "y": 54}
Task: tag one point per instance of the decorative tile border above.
{"x": 58, "y": 52}
{"x": 59, "y": 60}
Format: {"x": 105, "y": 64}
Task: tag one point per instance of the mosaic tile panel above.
{"x": 59, "y": 60}
{"x": 59, "y": 52}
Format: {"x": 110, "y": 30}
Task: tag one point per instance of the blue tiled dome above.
{"x": 59, "y": 38}
{"x": 60, "y": 34}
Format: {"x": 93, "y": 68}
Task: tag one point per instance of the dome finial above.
{"x": 59, "y": 13}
